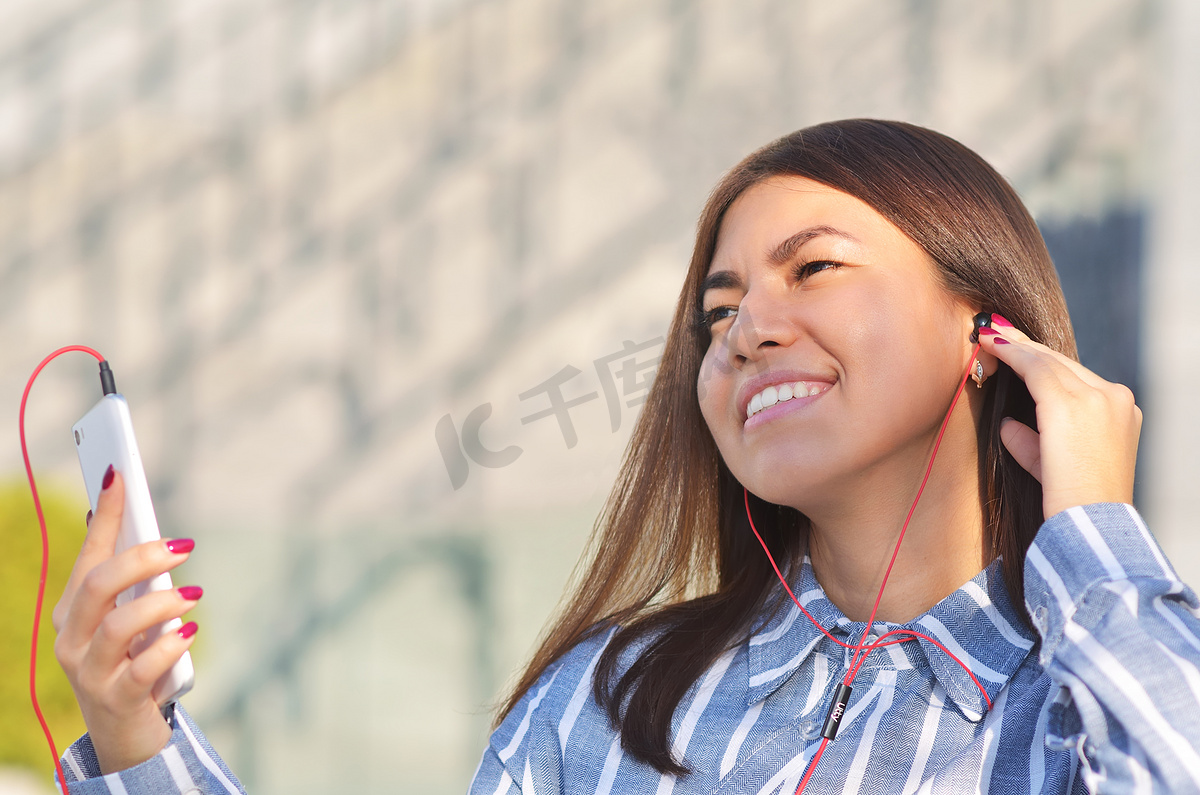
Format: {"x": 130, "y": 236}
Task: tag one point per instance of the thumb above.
{"x": 1024, "y": 444}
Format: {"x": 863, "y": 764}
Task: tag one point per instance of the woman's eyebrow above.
{"x": 718, "y": 280}
{"x": 779, "y": 255}
{"x": 787, "y": 249}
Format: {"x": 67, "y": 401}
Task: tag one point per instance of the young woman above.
{"x": 1031, "y": 636}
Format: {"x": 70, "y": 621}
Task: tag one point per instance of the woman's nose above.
{"x": 763, "y": 321}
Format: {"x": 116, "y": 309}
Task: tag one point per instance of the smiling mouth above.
{"x": 781, "y": 393}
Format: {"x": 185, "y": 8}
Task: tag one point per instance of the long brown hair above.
{"x": 671, "y": 561}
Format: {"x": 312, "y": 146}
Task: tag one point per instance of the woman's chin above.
{"x": 793, "y": 486}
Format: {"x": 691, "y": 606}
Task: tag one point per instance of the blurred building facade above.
{"x": 385, "y": 281}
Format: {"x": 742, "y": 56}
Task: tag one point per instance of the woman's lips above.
{"x": 782, "y": 393}
{"x": 776, "y": 400}
{"x": 802, "y": 383}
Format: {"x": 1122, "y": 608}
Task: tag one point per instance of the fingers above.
{"x": 148, "y": 667}
{"x": 1026, "y": 355}
{"x": 1047, "y": 372}
{"x": 105, "y": 524}
{"x": 97, "y": 592}
{"x": 111, "y": 642}
{"x": 1024, "y": 444}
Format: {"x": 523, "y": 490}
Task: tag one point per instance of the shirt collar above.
{"x": 978, "y": 623}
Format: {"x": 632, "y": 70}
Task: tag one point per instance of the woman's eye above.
{"x": 711, "y": 317}
{"x": 803, "y": 270}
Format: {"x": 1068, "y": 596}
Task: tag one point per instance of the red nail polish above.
{"x": 188, "y": 629}
{"x": 179, "y": 546}
{"x": 191, "y": 592}
{"x": 88, "y": 520}
{"x": 1001, "y": 320}
{"x": 988, "y": 332}
{"x": 108, "y": 478}
{"x": 1001, "y": 341}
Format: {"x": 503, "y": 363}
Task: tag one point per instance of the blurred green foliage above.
{"x": 21, "y": 740}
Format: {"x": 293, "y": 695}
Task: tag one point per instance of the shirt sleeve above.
{"x": 1121, "y": 634}
{"x": 187, "y": 766}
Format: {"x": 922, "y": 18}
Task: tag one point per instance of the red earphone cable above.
{"x": 878, "y": 644}
{"x": 37, "y": 504}
{"x": 861, "y": 651}
{"x": 912, "y": 509}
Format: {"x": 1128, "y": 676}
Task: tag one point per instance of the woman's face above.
{"x": 814, "y": 294}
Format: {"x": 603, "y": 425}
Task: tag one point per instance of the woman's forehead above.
{"x": 772, "y": 218}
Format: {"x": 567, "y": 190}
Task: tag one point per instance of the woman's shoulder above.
{"x": 560, "y": 695}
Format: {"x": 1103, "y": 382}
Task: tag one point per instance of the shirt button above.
{"x": 808, "y": 729}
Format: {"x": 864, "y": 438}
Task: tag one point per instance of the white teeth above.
{"x": 772, "y": 395}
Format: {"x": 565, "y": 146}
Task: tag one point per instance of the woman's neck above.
{"x": 851, "y": 543}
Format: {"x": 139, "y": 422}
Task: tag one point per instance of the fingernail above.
{"x": 191, "y": 592}
{"x": 108, "y": 478}
{"x": 1001, "y": 320}
{"x": 987, "y": 332}
{"x": 1001, "y": 341}
{"x": 88, "y": 520}
{"x": 188, "y": 629}
{"x": 179, "y": 546}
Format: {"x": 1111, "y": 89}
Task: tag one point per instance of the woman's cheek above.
{"x": 713, "y": 391}
{"x": 704, "y": 380}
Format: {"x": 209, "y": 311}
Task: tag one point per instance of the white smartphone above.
{"x": 103, "y": 437}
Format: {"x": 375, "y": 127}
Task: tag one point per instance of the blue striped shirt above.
{"x": 187, "y": 766}
{"x": 1104, "y": 697}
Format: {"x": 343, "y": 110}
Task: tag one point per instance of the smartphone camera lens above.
{"x": 76, "y": 438}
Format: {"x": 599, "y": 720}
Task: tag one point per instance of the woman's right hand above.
{"x": 114, "y": 690}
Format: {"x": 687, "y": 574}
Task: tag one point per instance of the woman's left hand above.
{"x": 1086, "y": 450}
